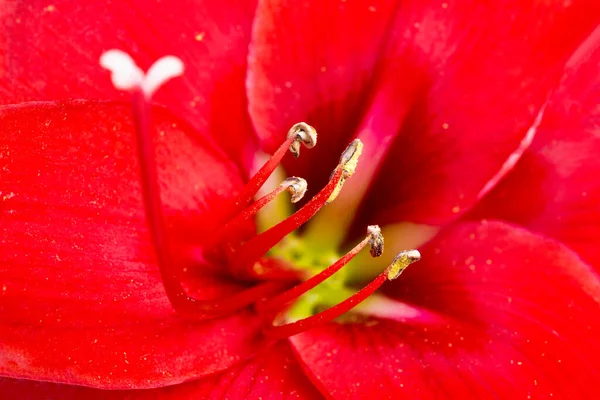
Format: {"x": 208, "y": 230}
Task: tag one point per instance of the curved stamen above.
{"x": 296, "y": 186}
{"x": 258, "y": 246}
{"x": 301, "y": 132}
{"x": 279, "y": 302}
{"x": 399, "y": 264}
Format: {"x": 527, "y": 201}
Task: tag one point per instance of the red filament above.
{"x": 293, "y": 328}
{"x": 258, "y": 246}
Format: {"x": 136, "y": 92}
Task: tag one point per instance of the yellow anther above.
{"x": 401, "y": 261}
{"x": 350, "y": 156}
{"x": 348, "y": 164}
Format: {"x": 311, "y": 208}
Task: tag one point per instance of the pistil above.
{"x": 126, "y": 75}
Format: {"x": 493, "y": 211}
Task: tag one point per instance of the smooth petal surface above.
{"x": 315, "y": 62}
{"x": 273, "y": 374}
{"x": 517, "y": 317}
{"x": 489, "y": 68}
{"x": 554, "y": 188}
{"x": 440, "y": 92}
{"x": 81, "y": 299}
{"x": 50, "y": 51}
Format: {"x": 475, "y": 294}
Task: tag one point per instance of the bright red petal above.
{"x": 81, "y": 300}
{"x": 315, "y": 63}
{"x": 518, "y": 318}
{"x": 441, "y": 93}
{"x": 488, "y": 69}
{"x": 274, "y": 374}
{"x": 555, "y": 187}
{"x": 50, "y": 50}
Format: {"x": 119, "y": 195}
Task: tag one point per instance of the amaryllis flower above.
{"x": 134, "y": 258}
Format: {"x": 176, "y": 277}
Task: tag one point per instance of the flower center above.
{"x": 292, "y": 289}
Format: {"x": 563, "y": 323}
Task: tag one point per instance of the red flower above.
{"x": 480, "y": 125}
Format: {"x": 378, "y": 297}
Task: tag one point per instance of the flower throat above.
{"x": 278, "y": 284}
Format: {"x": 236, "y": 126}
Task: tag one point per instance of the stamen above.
{"x": 348, "y": 163}
{"x": 282, "y": 300}
{"x": 306, "y": 133}
{"x": 400, "y": 263}
{"x": 258, "y": 246}
{"x": 300, "y": 132}
{"x": 295, "y": 185}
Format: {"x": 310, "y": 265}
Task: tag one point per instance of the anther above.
{"x": 374, "y": 238}
{"x": 350, "y": 156}
{"x": 296, "y": 186}
{"x": 302, "y": 133}
{"x": 401, "y": 261}
{"x": 348, "y": 164}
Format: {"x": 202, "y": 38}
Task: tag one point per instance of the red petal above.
{"x": 554, "y": 188}
{"x": 483, "y": 70}
{"x": 488, "y": 70}
{"x": 51, "y": 50}
{"x": 519, "y": 318}
{"x": 274, "y": 374}
{"x": 314, "y": 63}
{"x": 81, "y": 300}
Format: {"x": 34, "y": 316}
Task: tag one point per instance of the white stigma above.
{"x": 126, "y": 75}
{"x": 161, "y": 71}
